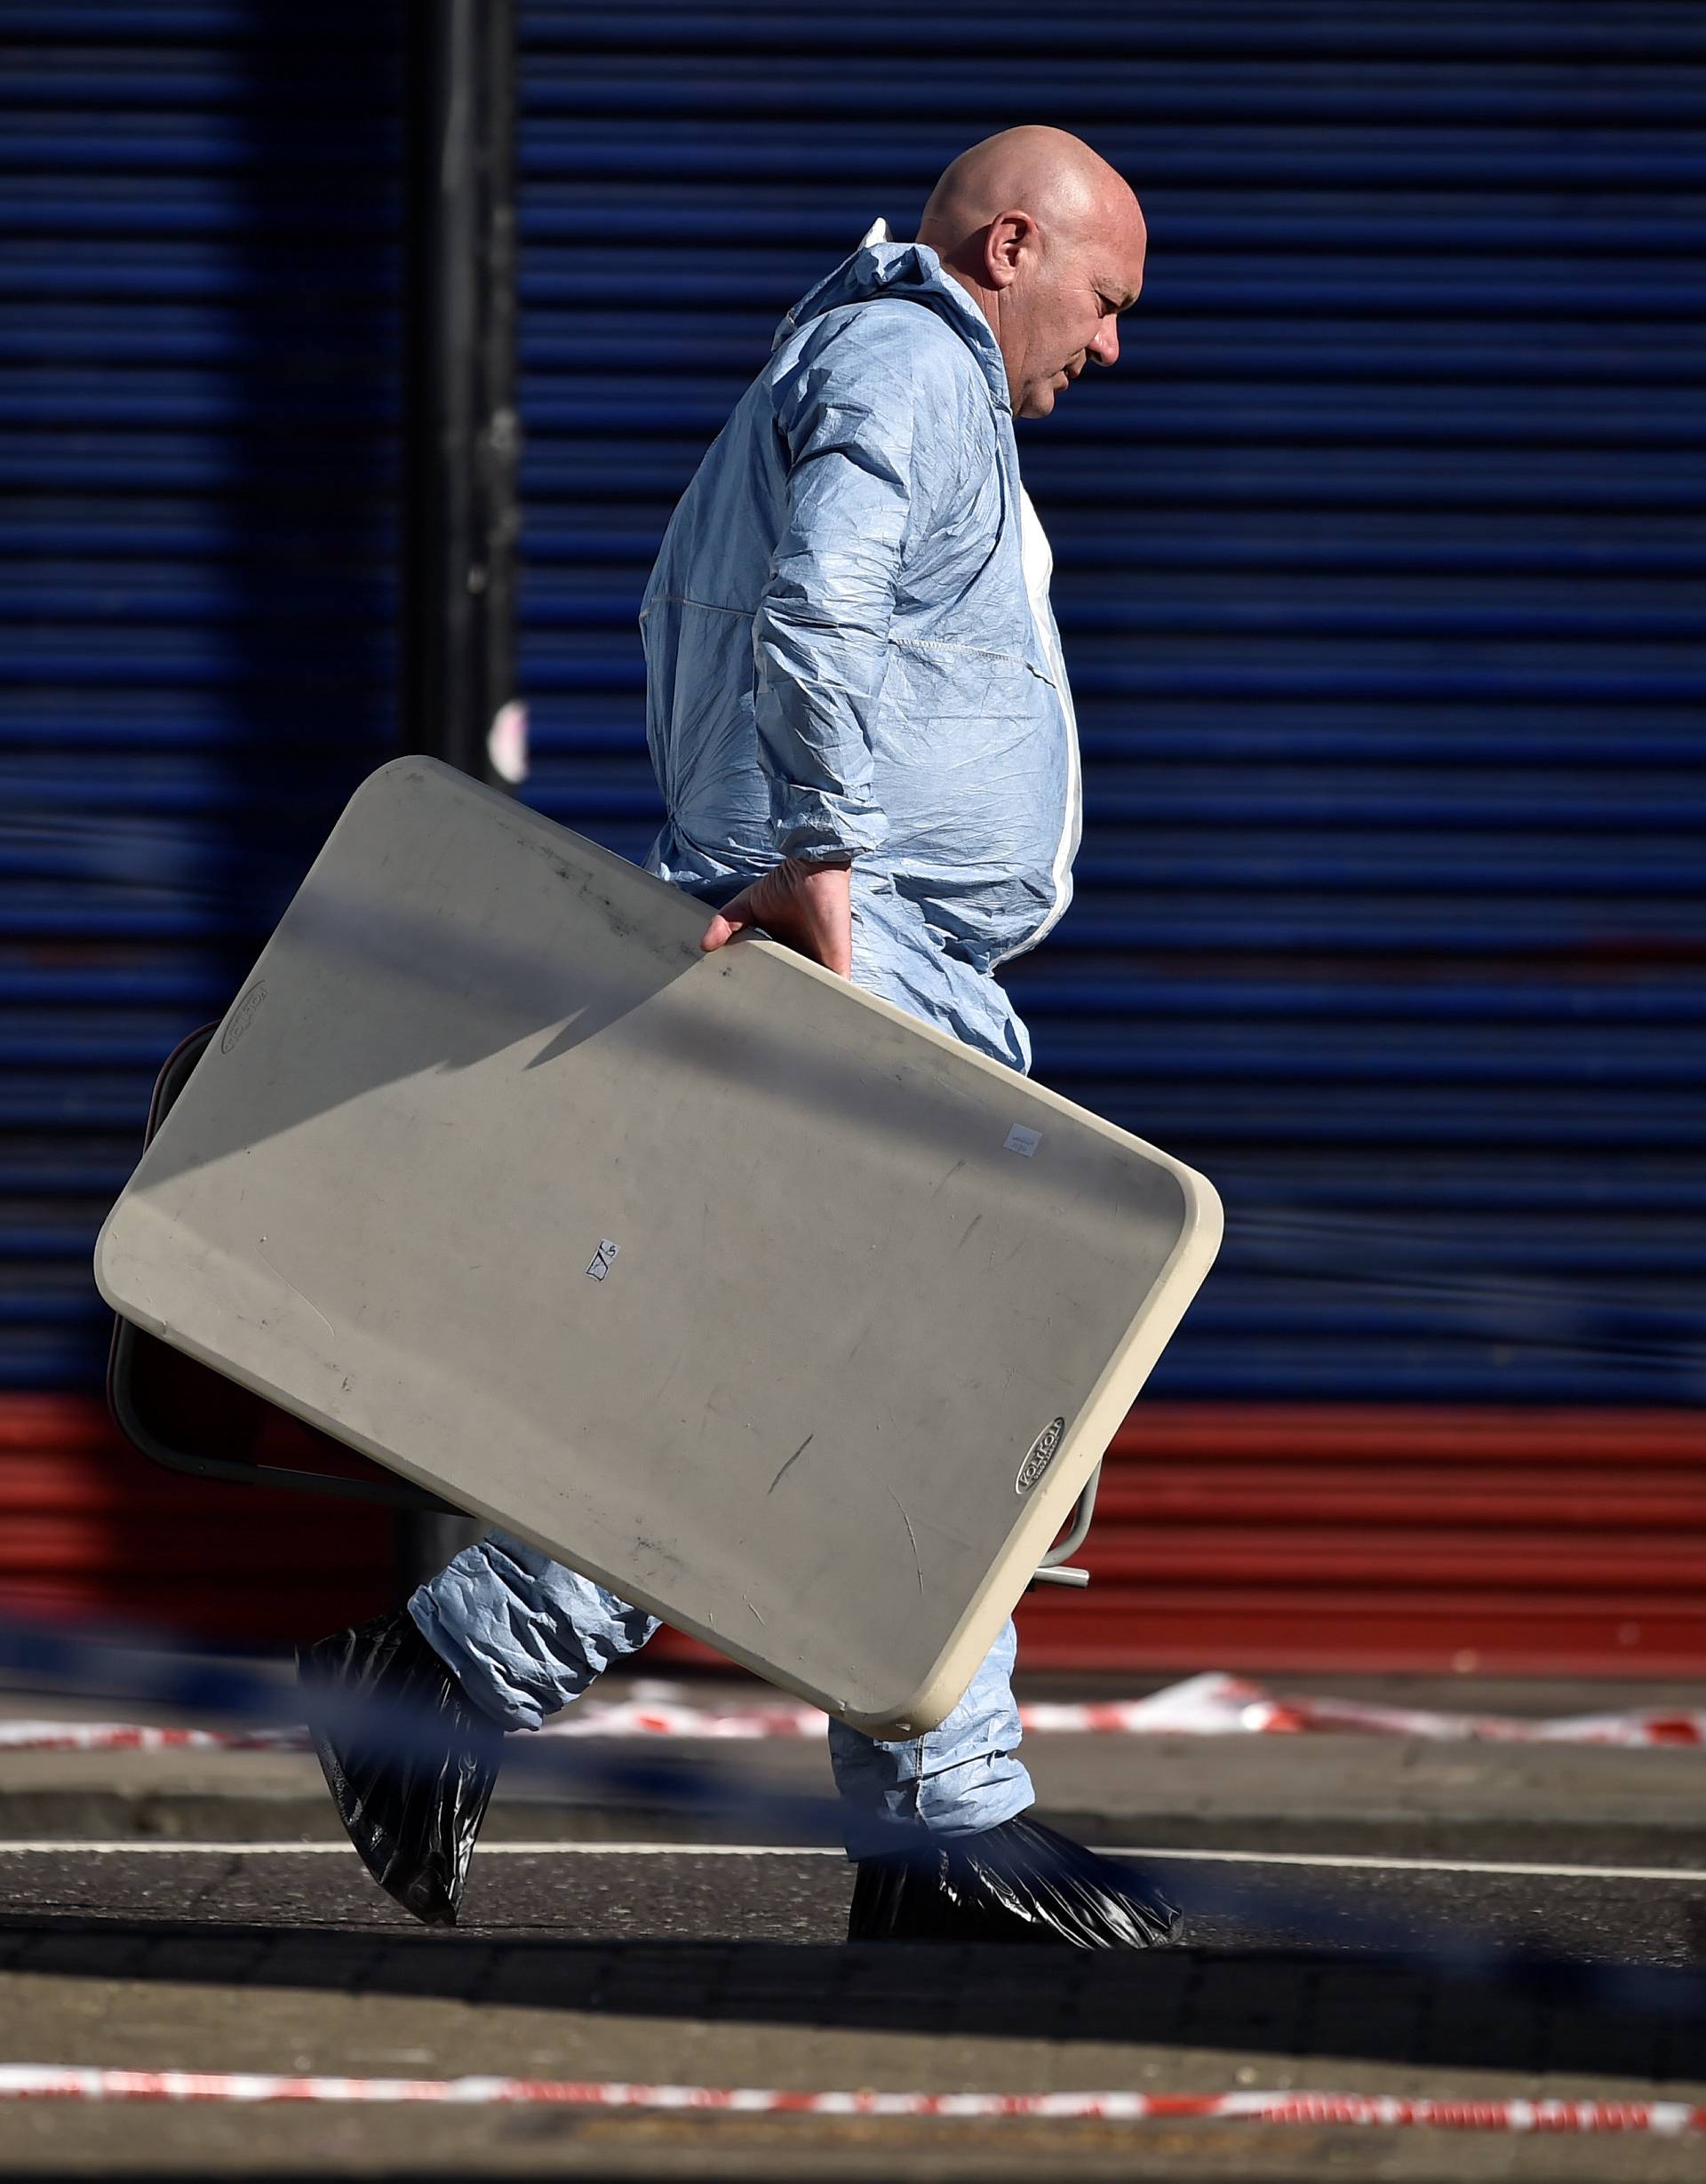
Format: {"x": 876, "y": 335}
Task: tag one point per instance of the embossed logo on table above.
{"x": 1041, "y": 1455}
{"x": 242, "y": 1016}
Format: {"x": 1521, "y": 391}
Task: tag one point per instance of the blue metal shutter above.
{"x": 197, "y": 218}
{"x": 1379, "y": 564}
{"x": 197, "y": 245}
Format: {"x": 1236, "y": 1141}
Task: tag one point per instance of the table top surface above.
{"x": 724, "y": 1281}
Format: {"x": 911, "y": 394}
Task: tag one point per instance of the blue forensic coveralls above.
{"x": 849, "y": 653}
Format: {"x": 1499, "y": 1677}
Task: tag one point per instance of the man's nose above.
{"x": 1105, "y": 345}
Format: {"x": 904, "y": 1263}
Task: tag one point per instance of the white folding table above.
{"x": 724, "y": 1281}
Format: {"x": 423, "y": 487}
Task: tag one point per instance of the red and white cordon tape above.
{"x": 1216, "y": 1704}
{"x": 129, "y": 1736}
{"x": 1213, "y": 1704}
{"x": 1664, "y": 2118}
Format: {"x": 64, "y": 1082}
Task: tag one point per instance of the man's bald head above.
{"x": 1054, "y": 176}
{"x": 1049, "y": 240}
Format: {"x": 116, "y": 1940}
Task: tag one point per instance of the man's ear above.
{"x": 1008, "y": 240}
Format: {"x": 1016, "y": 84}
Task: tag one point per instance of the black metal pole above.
{"x": 460, "y": 439}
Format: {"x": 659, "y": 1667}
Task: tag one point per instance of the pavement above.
{"x": 1367, "y": 1794}
{"x": 1368, "y": 1914}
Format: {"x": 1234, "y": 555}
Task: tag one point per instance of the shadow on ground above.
{"x": 1531, "y": 2014}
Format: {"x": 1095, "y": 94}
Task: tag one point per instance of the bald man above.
{"x": 860, "y": 722}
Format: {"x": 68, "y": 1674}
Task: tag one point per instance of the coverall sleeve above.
{"x": 864, "y": 423}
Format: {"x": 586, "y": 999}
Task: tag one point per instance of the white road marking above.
{"x": 153, "y": 1846}
{"x": 1424, "y": 1865}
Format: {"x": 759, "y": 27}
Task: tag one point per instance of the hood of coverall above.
{"x": 910, "y": 273}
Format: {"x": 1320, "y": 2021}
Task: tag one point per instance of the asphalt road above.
{"x": 727, "y": 1969}
{"x": 592, "y": 1891}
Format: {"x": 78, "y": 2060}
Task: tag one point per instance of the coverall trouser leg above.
{"x": 524, "y": 1637}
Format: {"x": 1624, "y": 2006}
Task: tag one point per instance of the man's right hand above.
{"x": 807, "y": 908}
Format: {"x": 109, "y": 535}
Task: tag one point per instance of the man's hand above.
{"x": 807, "y": 908}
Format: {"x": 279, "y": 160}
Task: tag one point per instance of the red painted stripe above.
{"x": 1273, "y": 1536}
{"x": 91, "y": 1531}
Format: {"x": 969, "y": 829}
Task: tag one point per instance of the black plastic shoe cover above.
{"x": 411, "y": 1788}
{"x": 1020, "y": 1882}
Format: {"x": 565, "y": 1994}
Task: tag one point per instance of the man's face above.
{"x": 1063, "y": 310}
